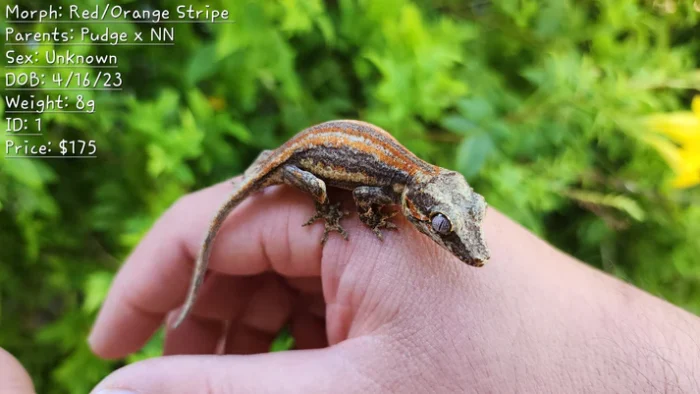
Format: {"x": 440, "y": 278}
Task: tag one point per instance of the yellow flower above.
{"x": 683, "y": 128}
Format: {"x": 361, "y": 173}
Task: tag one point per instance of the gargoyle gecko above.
{"x": 361, "y": 157}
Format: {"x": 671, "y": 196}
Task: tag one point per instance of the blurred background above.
{"x": 574, "y": 118}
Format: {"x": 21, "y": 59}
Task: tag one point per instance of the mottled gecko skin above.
{"x": 361, "y": 157}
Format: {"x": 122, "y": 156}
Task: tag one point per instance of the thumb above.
{"x": 296, "y": 371}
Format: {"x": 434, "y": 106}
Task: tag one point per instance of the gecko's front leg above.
{"x": 310, "y": 183}
{"x": 370, "y": 203}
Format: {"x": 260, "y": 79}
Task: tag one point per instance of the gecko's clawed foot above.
{"x": 331, "y": 214}
{"x": 376, "y": 219}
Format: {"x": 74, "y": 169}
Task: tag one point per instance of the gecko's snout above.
{"x": 479, "y": 261}
{"x": 470, "y": 247}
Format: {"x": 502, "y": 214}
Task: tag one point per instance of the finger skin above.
{"x": 194, "y": 336}
{"x": 226, "y": 297}
{"x": 303, "y": 371}
{"x": 14, "y": 379}
{"x": 269, "y": 308}
{"x": 242, "y": 339}
{"x": 309, "y": 331}
{"x": 532, "y": 320}
{"x": 264, "y": 316}
{"x": 263, "y": 233}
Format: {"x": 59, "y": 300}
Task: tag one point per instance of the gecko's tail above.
{"x": 200, "y": 267}
{"x": 197, "y": 280}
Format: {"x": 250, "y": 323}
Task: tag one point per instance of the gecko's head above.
{"x": 447, "y": 210}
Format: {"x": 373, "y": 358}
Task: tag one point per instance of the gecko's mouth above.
{"x": 468, "y": 245}
{"x": 479, "y": 263}
{"x": 474, "y": 262}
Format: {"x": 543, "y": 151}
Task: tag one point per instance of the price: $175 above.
{"x": 78, "y": 148}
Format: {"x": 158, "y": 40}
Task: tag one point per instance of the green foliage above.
{"x": 538, "y": 103}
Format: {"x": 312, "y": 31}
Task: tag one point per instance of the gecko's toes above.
{"x": 376, "y": 219}
{"x": 311, "y": 220}
{"x": 331, "y": 214}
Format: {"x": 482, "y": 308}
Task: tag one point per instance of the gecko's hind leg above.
{"x": 371, "y": 202}
{"x": 259, "y": 161}
{"x": 310, "y": 183}
{"x": 253, "y": 168}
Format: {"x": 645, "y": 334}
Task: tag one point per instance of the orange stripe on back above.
{"x": 378, "y": 143}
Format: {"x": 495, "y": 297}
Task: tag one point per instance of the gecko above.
{"x": 380, "y": 172}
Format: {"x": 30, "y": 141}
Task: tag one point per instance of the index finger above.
{"x": 263, "y": 233}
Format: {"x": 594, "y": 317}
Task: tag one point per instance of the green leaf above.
{"x": 458, "y": 124}
{"x": 202, "y": 65}
{"x": 96, "y": 288}
{"x": 620, "y": 202}
{"x": 283, "y": 341}
{"x": 473, "y": 152}
{"x": 476, "y": 109}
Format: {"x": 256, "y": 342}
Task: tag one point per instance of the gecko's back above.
{"x": 348, "y": 153}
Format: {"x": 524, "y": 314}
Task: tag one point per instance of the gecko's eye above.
{"x": 441, "y": 224}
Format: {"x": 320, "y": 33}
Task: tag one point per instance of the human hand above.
{"x": 401, "y": 315}
{"x": 13, "y": 378}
